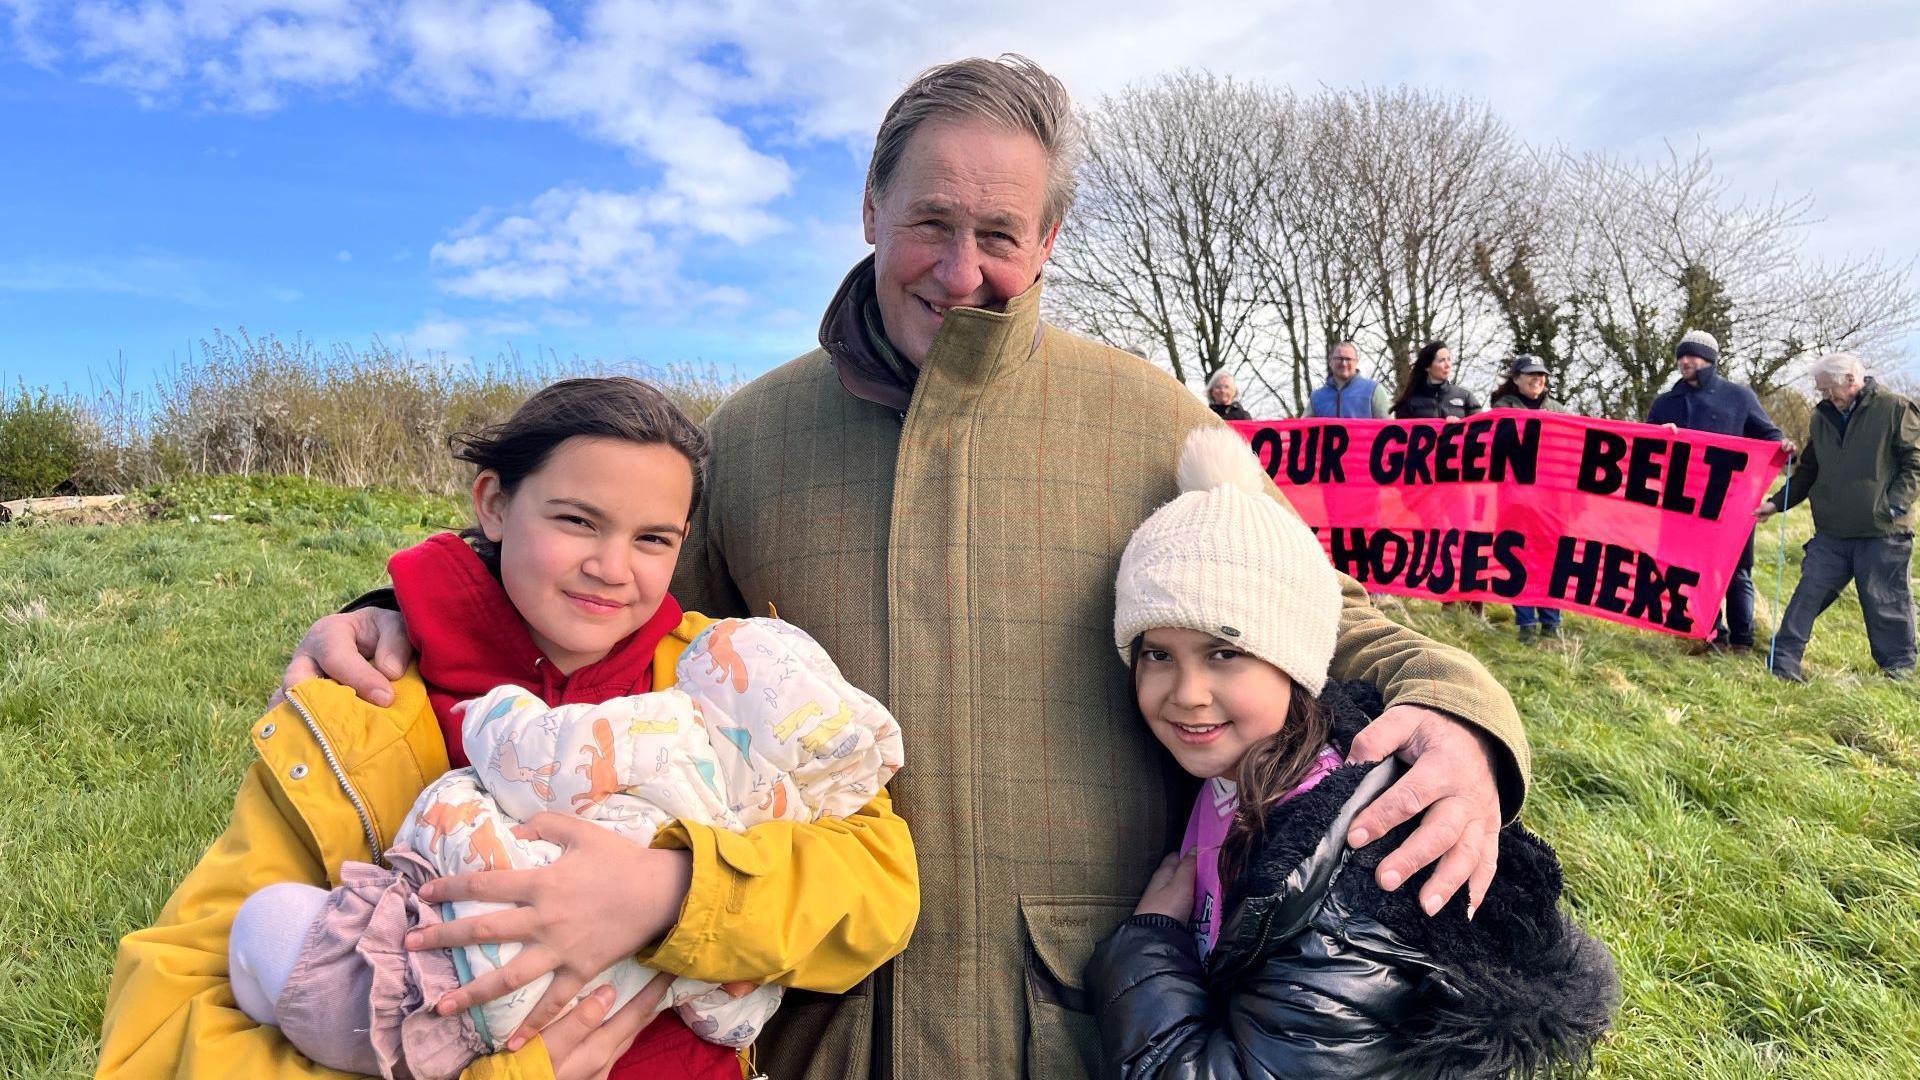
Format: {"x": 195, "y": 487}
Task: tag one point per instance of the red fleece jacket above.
{"x": 469, "y": 639}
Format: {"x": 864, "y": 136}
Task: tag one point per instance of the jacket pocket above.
{"x": 1061, "y": 932}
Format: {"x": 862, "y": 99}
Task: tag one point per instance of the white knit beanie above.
{"x": 1225, "y": 558}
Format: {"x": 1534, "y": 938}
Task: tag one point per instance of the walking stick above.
{"x": 1780, "y": 565}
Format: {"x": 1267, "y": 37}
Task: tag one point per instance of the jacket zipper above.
{"x": 340, "y": 775}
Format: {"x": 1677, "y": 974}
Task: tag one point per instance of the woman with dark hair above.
{"x": 1526, "y": 386}
{"x": 1429, "y": 392}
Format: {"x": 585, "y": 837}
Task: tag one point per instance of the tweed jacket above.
{"x": 959, "y": 561}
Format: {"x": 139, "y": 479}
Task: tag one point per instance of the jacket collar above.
{"x": 1868, "y": 388}
{"x": 1709, "y": 374}
{"x": 470, "y": 639}
{"x": 974, "y": 345}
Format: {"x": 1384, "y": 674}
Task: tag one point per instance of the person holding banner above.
{"x": 1704, "y": 401}
{"x": 1526, "y": 388}
{"x": 1861, "y": 472}
{"x": 1430, "y": 393}
{"x": 1346, "y": 393}
{"x": 1222, "y": 397}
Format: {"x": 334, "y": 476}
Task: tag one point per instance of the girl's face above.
{"x": 1532, "y": 385}
{"x": 1441, "y": 369}
{"x": 588, "y": 541}
{"x": 1207, "y": 701}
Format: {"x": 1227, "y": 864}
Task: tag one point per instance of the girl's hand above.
{"x": 604, "y": 899}
{"x": 584, "y": 1044}
{"x": 1170, "y": 891}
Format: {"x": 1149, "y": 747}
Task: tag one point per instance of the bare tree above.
{"x": 1648, "y": 252}
{"x": 1432, "y": 179}
{"x": 1231, "y": 226}
{"x": 1157, "y": 254}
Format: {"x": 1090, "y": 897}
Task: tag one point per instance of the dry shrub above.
{"x": 247, "y": 405}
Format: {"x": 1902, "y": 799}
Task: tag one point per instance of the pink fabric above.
{"x": 357, "y": 1000}
{"x": 1624, "y": 521}
{"x": 1207, "y": 826}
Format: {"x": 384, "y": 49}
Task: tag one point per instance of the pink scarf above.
{"x": 1207, "y": 829}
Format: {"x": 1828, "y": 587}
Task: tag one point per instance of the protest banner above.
{"x": 1629, "y": 522}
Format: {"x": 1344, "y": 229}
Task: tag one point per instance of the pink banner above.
{"x": 1629, "y": 522}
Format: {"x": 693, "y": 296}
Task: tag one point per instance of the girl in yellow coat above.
{"x": 814, "y": 906}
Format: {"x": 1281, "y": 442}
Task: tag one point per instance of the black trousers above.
{"x": 1878, "y": 566}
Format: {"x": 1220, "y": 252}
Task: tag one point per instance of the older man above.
{"x": 1861, "y": 471}
{"x": 940, "y": 494}
{"x": 1346, "y": 393}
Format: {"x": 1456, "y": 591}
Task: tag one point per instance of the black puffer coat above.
{"x": 1436, "y": 401}
{"x": 1319, "y": 973}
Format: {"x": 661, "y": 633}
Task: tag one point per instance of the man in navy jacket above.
{"x": 1703, "y": 401}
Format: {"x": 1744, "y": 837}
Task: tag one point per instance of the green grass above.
{"x": 1750, "y": 850}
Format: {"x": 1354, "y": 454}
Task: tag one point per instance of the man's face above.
{"x": 1222, "y": 392}
{"x": 1690, "y": 367}
{"x": 1841, "y": 390}
{"x": 1344, "y": 364}
{"x": 960, "y": 226}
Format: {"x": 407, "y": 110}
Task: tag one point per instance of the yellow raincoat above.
{"x": 816, "y": 906}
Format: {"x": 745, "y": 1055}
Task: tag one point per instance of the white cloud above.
{"x": 22, "y": 19}
{"x": 568, "y": 242}
{"x": 711, "y": 98}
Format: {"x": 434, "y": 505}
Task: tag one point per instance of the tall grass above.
{"x": 290, "y": 407}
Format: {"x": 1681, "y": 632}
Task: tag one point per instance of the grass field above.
{"x": 1750, "y": 850}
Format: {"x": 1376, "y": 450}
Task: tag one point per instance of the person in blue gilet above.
{"x": 1345, "y": 393}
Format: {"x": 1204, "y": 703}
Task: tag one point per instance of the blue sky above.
{"x": 668, "y": 181}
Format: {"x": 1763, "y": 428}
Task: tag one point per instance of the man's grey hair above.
{"x": 1333, "y": 350}
{"x": 1221, "y": 376}
{"x": 1836, "y": 364}
{"x": 1011, "y": 92}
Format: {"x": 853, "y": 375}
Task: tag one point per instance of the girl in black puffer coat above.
{"x": 1266, "y": 949}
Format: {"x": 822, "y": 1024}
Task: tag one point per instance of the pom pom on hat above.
{"x": 1218, "y": 457}
{"x": 1226, "y": 558}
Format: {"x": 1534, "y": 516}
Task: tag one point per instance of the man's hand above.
{"x": 1765, "y": 510}
{"x": 584, "y": 1044}
{"x": 606, "y": 897}
{"x": 1450, "y": 786}
{"x": 339, "y": 646}
{"x": 1170, "y": 890}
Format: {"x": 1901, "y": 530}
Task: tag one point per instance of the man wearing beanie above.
{"x": 1703, "y": 401}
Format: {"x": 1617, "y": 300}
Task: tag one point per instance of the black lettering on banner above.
{"x": 1722, "y": 463}
{"x": 1445, "y": 469}
{"x": 1576, "y": 567}
{"x": 1507, "y": 544}
{"x": 1389, "y": 454}
{"x": 1515, "y": 450}
{"x": 1600, "y": 458}
{"x": 1420, "y": 440}
{"x": 1643, "y": 468}
{"x": 1266, "y": 447}
{"x": 1595, "y": 574}
{"x": 1333, "y": 454}
{"x": 1350, "y": 553}
{"x": 1385, "y": 568}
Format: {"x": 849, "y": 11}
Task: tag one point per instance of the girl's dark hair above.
{"x": 615, "y": 407}
{"x": 1268, "y": 771}
{"x": 1417, "y": 377}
